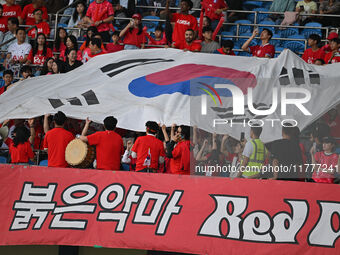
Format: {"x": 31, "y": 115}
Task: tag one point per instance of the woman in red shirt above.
{"x": 40, "y": 52}
{"x": 60, "y": 40}
{"x": 134, "y": 36}
{"x": 71, "y": 43}
{"x": 19, "y": 147}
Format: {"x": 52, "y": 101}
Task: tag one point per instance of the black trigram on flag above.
{"x": 89, "y": 96}
{"x": 298, "y": 76}
{"x": 119, "y": 67}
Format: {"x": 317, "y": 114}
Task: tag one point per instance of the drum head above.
{"x": 75, "y": 152}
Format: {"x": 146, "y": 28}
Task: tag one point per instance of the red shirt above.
{"x": 309, "y": 56}
{"x": 109, "y": 149}
{"x": 38, "y": 139}
{"x": 114, "y": 47}
{"x": 39, "y": 58}
{"x": 328, "y": 162}
{"x": 3, "y": 24}
{"x": 56, "y": 141}
{"x": 142, "y": 146}
{"x": 98, "y": 12}
{"x": 43, "y": 27}
{"x": 62, "y": 47}
{"x": 180, "y": 162}
{"x": 182, "y": 23}
{"x": 11, "y": 11}
{"x": 27, "y": 14}
{"x": 153, "y": 41}
{"x": 211, "y": 6}
{"x": 3, "y": 89}
{"x": 220, "y": 51}
{"x": 329, "y": 56}
{"x": 63, "y": 57}
{"x": 262, "y": 51}
{"x": 192, "y": 47}
{"x": 133, "y": 38}
{"x": 20, "y": 154}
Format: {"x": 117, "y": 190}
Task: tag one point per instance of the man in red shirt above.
{"x": 11, "y": 9}
{"x": 109, "y": 144}
{"x": 43, "y": 27}
{"x": 213, "y": 10}
{"x": 334, "y": 55}
{"x": 314, "y": 52}
{"x": 180, "y": 154}
{"x": 3, "y": 20}
{"x": 265, "y": 50}
{"x": 100, "y": 14}
{"x": 183, "y": 22}
{"x": 148, "y": 150}
{"x": 27, "y": 16}
{"x": 331, "y": 36}
{"x": 227, "y": 48}
{"x": 95, "y": 47}
{"x": 189, "y": 44}
{"x": 56, "y": 140}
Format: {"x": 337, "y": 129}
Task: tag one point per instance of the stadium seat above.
{"x": 243, "y": 28}
{"x": 3, "y": 160}
{"x": 243, "y": 53}
{"x": 269, "y": 23}
{"x": 308, "y": 31}
{"x": 276, "y": 43}
{"x": 241, "y": 41}
{"x": 225, "y": 36}
{"x": 260, "y": 16}
{"x": 279, "y": 49}
{"x": 250, "y": 5}
{"x": 151, "y": 25}
{"x": 289, "y": 31}
{"x": 295, "y": 46}
{"x": 43, "y": 163}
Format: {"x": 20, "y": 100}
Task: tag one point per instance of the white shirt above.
{"x": 248, "y": 149}
{"x": 19, "y": 51}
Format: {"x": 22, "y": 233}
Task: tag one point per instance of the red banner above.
{"x": 56, "y": 206}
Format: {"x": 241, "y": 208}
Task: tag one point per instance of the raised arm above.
{"x": 245, "y": 46}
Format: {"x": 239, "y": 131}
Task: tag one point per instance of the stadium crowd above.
{"x": 101, "y": 27}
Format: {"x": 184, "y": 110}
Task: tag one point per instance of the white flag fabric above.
{"x": 172, "y": 86}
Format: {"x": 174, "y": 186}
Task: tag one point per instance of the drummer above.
{"x": 109, "y": 144}
{"x": 56, "y": 140}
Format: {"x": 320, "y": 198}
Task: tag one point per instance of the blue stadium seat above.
{"x": 250, "y": 5}
{"x": 276, "y": 43}
{"x": 151, "y": 25}
{"x": 225, "y": 35}
{"x": 241, "y": 41}
{"x": 308, "y": 31}
{"x": 260, "y": 16}
{"x": 3, "y": 160}
{"x": 243, "y": 29}
{"x": 269, "y": 23}
{"x": 295, "y": 46}
{"x": 289, "y": 31}
{"x": 43, "y": 163}
{"x": 280, "y": 49}
{"x": 243, "y": 53}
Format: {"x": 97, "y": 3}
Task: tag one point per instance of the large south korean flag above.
{"x": 171, "y": 86}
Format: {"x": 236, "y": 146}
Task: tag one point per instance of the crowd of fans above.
{"x": 34, "y": 51}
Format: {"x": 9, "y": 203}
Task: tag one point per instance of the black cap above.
{"x": 329, "y": 140}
